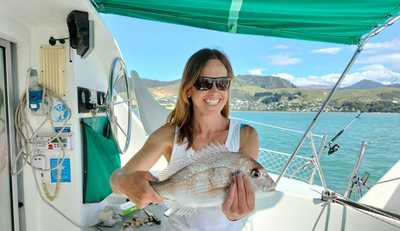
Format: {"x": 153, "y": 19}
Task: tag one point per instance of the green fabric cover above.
{"x": 101, "y": 158}
{"x": 337, "y": 21}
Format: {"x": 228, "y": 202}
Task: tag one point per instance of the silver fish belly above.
{"x": 203, "y": 181}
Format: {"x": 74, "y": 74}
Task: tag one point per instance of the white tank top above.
{"x": 207, "y": 219}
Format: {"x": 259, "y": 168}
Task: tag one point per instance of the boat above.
{"x": 66, "y": 99}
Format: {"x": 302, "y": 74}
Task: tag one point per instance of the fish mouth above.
{"x": 270, "y": 188}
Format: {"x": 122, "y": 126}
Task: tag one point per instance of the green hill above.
{"x": 270, "y": 82}
{"x": 276, "y": 94}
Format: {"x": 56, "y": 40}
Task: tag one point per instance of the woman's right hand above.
{"x": 136, "y": 187}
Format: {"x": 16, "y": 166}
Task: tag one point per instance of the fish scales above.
{"x": 202, "y": 180}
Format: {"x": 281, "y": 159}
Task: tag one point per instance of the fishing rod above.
{"x": 335, "y": 147}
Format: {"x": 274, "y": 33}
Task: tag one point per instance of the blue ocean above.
{"x": 381, "y": 131}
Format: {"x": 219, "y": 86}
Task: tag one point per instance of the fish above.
{"x": 202, "y": 180}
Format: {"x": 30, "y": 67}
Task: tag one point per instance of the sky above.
{"x": 159, "y": 51}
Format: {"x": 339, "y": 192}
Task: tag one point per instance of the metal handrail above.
{"x": 307, "y": 162}
{"x": 282, "y": 153}
{"x": 302, "y": 165}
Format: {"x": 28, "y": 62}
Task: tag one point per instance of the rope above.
{"x": 26, "y": 134}
{"x": 55, "y": 208}
{"x": 274, "y": 126}
{"x": 386, "y": 181}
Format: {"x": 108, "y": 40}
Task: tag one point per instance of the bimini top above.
{"x": 336, "y": 21}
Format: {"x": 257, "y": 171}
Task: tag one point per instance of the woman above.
{"x": 199, "y": 118}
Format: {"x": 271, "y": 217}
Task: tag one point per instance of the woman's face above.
{"x": 212, "y": 100}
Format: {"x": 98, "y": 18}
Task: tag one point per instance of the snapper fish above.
{"x": 202, "y": 180}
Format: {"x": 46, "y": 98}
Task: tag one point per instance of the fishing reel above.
{"x": 333, "y": 148}
{"x": 361, "y": 181}
{"x": 358, "y": 184}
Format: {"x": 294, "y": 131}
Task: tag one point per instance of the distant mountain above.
{"x": 269, "y": 82}
{"x": 316, "y": 87}
{"x": 157, "y": 83}
{"x": 393, "y": 85}
{"x": 365, "y": 84}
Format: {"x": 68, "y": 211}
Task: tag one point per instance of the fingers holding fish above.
{"x": 151, "y": 193}
{"x": 241, "y": 198}
{"x": 244, "y": 195}
{"x": 250, "y": 194}
{"x": 149, "y": 177}
{"x": 228, "y": 203}
{"x": 241, "y": 192}
{"x": 137, "y": 188}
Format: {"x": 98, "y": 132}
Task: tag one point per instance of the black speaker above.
{"x": 80, "y": 32}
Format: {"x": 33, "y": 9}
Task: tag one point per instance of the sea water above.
{"x": 381, "y": 131}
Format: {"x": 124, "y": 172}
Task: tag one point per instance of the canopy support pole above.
{"x": 360, "y": 47}
{"x": 233, "y": 18}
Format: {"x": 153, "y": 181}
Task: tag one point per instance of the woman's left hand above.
{"x": 241, "y": 198}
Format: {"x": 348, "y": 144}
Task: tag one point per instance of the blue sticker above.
{"x": 65, "y": 130}
{"x": 59, "y": 112}
{"x": 65, "y": 173}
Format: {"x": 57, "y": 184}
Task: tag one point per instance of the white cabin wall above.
{"x": 19, "y": 34}
{"x": 69, "y": 198}
{"x": 92, "y": 72}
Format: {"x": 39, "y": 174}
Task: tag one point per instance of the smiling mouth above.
{"x": 212, "y": 102}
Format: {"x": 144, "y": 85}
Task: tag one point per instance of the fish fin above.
{"x": 175, "y": 208}
{"x": 185, "y": 211}
{"x": 205, "y": 154}
{"x": 172, "y": 207}
{"x": 174, "y": 167}
{"x": 170, "y": 211}
{"x": 208, "y": 152}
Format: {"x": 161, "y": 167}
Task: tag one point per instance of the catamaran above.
{"x": 69, "y": 109}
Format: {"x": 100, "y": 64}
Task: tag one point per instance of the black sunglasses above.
{"x": 206, "y": 83}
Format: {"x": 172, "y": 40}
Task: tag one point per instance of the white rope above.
{"x": 386, "y": 181}
{"x": 26, "y": 136}
{"x": 55, "y": 208}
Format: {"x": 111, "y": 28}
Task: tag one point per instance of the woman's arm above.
{"x": 133, "y": 179}
{"x": 241, "y": 197}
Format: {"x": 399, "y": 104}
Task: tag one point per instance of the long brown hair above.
{"x": 182, "y": 115}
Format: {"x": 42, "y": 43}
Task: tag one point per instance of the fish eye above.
{"x": 255, "y": 173}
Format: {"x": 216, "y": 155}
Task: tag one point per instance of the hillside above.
{"x": 365, "y": 84}
{"x": 242, "y": 84}
{"x": 367, "y": 100}
{"x": 266, "y": 81}
{"x": 270, "y": 96}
